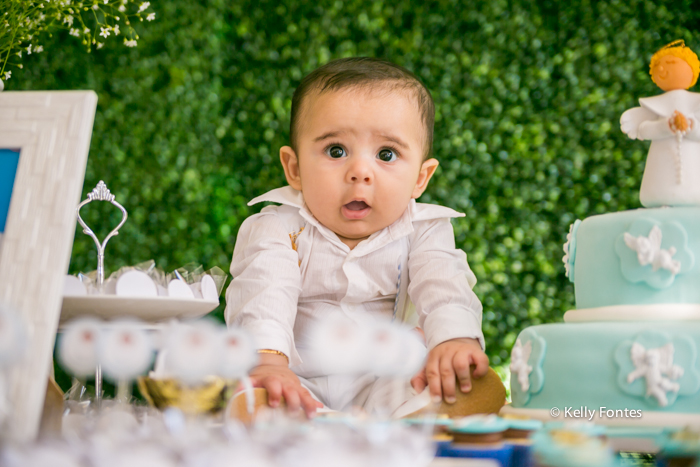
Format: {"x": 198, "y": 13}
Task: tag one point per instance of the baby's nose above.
{"x": 359, "y": 171}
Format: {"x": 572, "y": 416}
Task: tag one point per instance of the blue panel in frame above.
{"x": 9, "y": 159}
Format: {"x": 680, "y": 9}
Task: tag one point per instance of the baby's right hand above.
{"x": 273, "y": 374}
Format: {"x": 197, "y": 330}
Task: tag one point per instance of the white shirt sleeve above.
{"x": 263, "y": 295}
{"x": 441, "y": 285}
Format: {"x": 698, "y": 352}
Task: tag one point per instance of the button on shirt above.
{"x": 289, "y": 271}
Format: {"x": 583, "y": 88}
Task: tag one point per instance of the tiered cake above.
{"x": 628, "y": 353}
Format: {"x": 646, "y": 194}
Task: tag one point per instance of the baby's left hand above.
{"x": 448, "y": 362}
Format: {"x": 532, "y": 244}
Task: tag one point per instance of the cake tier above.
{"x": 650, "y": 367}
{"x": 638, "y": 257}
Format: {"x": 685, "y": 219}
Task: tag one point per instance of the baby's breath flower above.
{"x": 100, "y": 45}
{"x": 68, "y": 19}
{"x": 144, "y": 6}
{"x": 74, "y": 32}
{"x": 95, "y": 6}
{"x": 131, "y": 43}
{"x": 8, "y": 75}
{"x": 122, "y": 8}
{"x": 19, "y": 54}
{"x": 104, "y": 32}
{"x": 39, "y": 48}
{"x": 86, "y": 30}
{"x": 29, "y": 49}
{"x": 151, "y": 16}
{"x": 116, "y": 29}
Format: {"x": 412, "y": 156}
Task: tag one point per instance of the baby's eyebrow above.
{"x": 330, "y": 134}
{"x": 394, "y": 139}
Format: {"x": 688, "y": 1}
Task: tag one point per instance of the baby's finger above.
{"x": 460, "y": 362}
{"x": 309, "y": 404}
{"x": 419, "y": 382}
{"x": 432, "y": 374}
{"x": 448, "y": 379}
{"x": 291, "y": 397}
{"x": 482, "y": 364}
{"x": 274, "y": 391}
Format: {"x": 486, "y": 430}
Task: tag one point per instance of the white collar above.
{"x": 664, "y": 104}
{"x": 288, "y": 196}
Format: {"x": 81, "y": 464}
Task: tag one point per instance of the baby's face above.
{"x": 359, "y": 160}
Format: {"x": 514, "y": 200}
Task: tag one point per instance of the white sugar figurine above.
{"x": 672, "y": 122}
{"x": 126, "y": 351}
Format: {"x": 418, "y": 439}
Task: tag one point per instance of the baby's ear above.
{"x": 426, "y": 172}
{"x": 290, "y": 164}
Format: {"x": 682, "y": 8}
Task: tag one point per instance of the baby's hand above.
{"x": 448, "y": 362}
{"x": 273, "y": 374}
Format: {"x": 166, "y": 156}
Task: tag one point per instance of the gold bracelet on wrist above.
{"x": 273, "y": 352}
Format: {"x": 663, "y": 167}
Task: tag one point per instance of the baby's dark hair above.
{"x": 363, "y": 73}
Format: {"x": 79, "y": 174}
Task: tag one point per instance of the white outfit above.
{"x": 672, "y": 170}
{"x": 277, "y": 293}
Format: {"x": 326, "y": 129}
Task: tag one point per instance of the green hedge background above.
{"x": 528, "y": 96}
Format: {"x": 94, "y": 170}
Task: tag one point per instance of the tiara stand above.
{"x": 100, "y": 193}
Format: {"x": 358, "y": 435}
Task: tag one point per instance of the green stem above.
{"x": 9, "y": 51}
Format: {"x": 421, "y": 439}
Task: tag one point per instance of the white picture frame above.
{"x": 52, "y": 131}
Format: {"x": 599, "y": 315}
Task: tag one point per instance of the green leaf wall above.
{"x": 528, "y": 96}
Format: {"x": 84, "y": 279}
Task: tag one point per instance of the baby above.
{"x": 349, "y": 239}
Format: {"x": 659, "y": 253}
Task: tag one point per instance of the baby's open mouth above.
{"x": 356, "y": 205}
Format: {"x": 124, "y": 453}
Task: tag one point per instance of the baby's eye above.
{"x": 336, "y": 152}
{"x": 386, "y": 155}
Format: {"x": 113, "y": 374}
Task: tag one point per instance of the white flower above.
{"x": 39, "y": 48}
{"x": 144, "y": 6}
{"x": 131, "y": 43}
{"x": 68, "y": 19}
{"x": 104, "y": 32}
{"x": 86, "y": 30}
{"x": 95, "y": 6}
{"x": 74, "y": 32}
{"x": 106, "y": 1}
{"x": 8, "y": 74}
{"x": 29, "y": 49}
{"x": 42, "y": 17}
{"x": 122, "y": 8}
{"x": 100, "y": 45}
{"x": 151, "y": 16}
{"x": 19, "y": 54}
{"x": 116, "y": 29}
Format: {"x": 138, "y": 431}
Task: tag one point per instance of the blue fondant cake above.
{"x": 628, "y": 353}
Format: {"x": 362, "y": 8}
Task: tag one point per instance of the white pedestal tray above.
{"x": 147, "y": 309}
{"x": 153, "y": 311}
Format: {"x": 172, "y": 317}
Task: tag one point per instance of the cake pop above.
{"x": 193, "y": 351}
{"x": 125, "y": 350}
{"x": 77, "y": 346}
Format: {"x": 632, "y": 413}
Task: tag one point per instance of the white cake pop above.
{"x": 125, "y": 350}
{"x": 386, "y": 343}
{"x": 238, "y": 355}
{"x": 193, "y": 351}
{"x": 341, "y": 346}
{"x": 78, "y": 346}
{"x": 413, "y": 353}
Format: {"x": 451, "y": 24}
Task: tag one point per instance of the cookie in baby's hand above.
{"x": 487, "y": 395}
